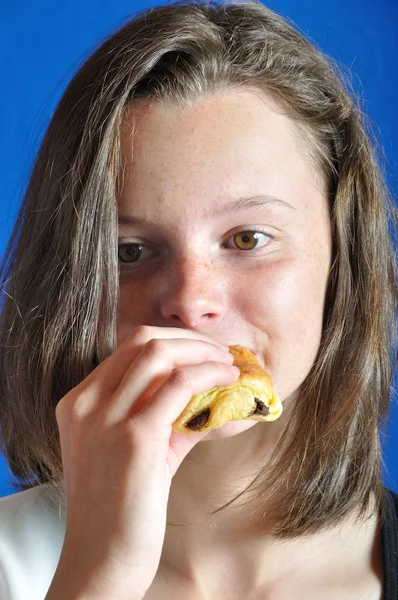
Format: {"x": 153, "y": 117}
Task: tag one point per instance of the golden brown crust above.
{"x": 251, "y": 397}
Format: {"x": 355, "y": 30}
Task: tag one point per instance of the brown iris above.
{"x": 246, "y": 240}
{"x": 130, "y": 252}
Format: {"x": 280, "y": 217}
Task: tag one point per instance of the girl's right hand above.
{"x": 119, "y": 455}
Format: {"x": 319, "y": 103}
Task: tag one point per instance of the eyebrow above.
{"x": 249, "y": 202}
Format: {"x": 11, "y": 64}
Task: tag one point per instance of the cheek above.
{"x": 286, "y": 289}
{"x": 286, "y": 306}
{"x": 134, "y": 309}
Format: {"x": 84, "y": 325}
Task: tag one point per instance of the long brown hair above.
{"x": 60, "y": 272}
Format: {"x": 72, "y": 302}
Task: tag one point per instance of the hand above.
{"x": 119, "y": 455}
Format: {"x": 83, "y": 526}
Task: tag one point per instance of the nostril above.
{"x": 190, "y": 321}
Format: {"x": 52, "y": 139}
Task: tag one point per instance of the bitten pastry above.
{"x": 251, "y": 397}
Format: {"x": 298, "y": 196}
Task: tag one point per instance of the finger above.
{"x": 176, "y": 391}
{"x": 154, "y": 365}
{"x": 143, "y": 333}
{"x": 109, "y": 374}
{"x": 180, "y": 445}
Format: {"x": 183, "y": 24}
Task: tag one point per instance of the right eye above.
{"x": 132, "y": 253}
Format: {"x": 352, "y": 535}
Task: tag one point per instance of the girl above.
{"x": 207, "y": 180}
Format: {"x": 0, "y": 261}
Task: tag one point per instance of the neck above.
{"x": 215, "y": 472}
{"x": 238, "y": 541}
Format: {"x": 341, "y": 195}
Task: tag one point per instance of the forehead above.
{"x": 232, "y": 144}
{"x": 235, "y": 119}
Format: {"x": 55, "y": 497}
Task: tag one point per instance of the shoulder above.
{"x": 389, "y": 542}
{"x": 32, "y": 529}
{"x": 392, "y": 499}
{"x": 389, "y": 509}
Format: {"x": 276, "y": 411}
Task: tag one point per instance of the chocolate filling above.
{"x": 199, "y": 420}
{"x": 261, "y": 408}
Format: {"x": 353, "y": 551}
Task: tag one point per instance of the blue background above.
{"x": 42, "y": 43}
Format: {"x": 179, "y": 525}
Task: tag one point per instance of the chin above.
{"x": 228, "y": 430}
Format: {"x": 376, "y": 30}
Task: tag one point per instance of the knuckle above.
{"x": 59, "y": 410}
{"x": 179, "y": 377}
{"x": 63, "y": 406}
{"x": 73, "y": 408}
{"x": 156, "y": 347}
{"x": 142, "y": 334}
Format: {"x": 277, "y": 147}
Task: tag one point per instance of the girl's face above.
{"x": 224, "y": 229}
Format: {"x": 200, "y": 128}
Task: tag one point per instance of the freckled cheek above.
{"x": 134, "y": 309}
{"x": 285, "y": 304}
{"x": 278, "y": 293}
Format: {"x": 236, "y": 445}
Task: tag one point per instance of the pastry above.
{"x": 251, "y": 397}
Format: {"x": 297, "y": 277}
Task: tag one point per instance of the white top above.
{"x": 32, "y": 530}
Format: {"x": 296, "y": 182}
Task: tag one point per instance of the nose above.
{"x": 194, "y": 294}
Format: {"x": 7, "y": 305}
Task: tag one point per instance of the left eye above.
{"x": 248, "y": 240}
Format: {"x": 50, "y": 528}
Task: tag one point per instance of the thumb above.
{"x": 180, "y": 445}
